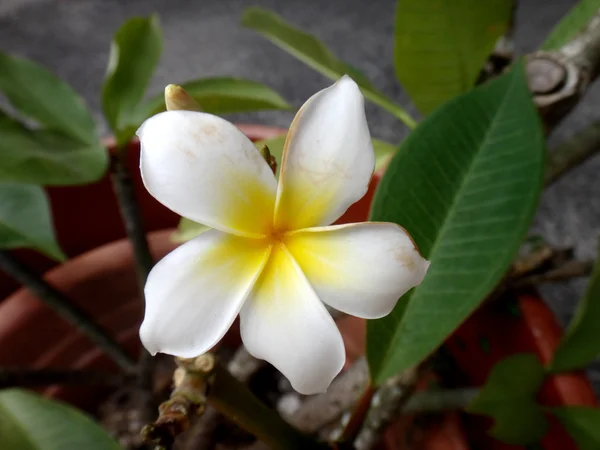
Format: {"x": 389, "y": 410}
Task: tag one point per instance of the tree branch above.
{"x": 66, "y": 309}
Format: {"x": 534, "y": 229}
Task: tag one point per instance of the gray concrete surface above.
{"x": 203, "y": 38}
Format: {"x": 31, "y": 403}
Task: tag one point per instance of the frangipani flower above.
{"x": 270, "y": 255}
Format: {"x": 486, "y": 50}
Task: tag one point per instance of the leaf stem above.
{"x": 67, "y": 309}
{"x": 396, "y": 110}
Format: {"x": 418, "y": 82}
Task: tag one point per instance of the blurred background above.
{"x": 204, "y": 38}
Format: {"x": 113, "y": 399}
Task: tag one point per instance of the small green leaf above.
{"x": 46, "y": 156}
{"x": 25, "y": 220}
{"x": 465, "y": 185}
{"x": 187, "y": 230}
{"x": 383, "y": 152}
{"x": 582, "y": 423}
{"x": 581, "y": 344}
{"x": 442, "y": 45}
{"x": 225, "y": 95}
{"x": 509, "y": 398}
{"x": 275, "y": 148}
{"x": 31, "y": 422}
{"x": 37, "y": 93}
{"x": 315, "y": 54}
{"x": 571, "y": 24}
{"x": 134, "y": 54}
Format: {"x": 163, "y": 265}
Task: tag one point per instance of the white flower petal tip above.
{"x": 285, "y": 323}
{"x": 204, "y": 168}
{"x": 328, "y": 158}
{"x": 194, "y": 294}
{"x": 361, "y": 269}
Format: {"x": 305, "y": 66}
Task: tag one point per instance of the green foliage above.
{"x": 187, "y": 230}
{"x": 315, "y": 54}
{"x": 45, "y": 156}
{"x": 582, "y": 423}
{"x": 442, "y": 45}
{"x": 31, "y": 422}
{"x": 25, "y": 220}
{"x": 134, "y": 54}
{"x": 581, "y": 344}
{"x": 225, "y": 95}
{"x": 38, "y": 94}
{"x": 465, "y": 185}
{"x": 509, "y": 398}
{"x": 571, "y": 24}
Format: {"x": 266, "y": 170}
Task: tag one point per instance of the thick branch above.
{"x": 67, "y": 309}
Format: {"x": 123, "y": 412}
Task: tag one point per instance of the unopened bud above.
{"x": 177, "y": 99}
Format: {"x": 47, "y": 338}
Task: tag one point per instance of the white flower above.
{"x": 270, "y": 255}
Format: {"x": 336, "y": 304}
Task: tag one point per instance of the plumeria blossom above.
{"x": 271, "y": 255}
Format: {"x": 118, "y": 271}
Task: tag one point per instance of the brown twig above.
{"x": 11, "y": 377}
{"x": 570, "y": 269}
{"x": 387, "y": 403}
{"x": 66, "y": 309}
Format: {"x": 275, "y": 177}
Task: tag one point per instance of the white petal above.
{"x": 328, "y": 158}
{"x": 361, "y": 269}
{"x": 195, "y": 292}
{"x": 204, "y": 168}
{"x": 285, "y": 323}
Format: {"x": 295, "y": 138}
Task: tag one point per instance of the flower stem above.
{"x": 67, "y": 309}
{"x": 233, "y": 399}
{"x": 132, "y": 218}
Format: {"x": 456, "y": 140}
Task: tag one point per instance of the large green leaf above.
{"x": 571, "y": 24}
{"x": 509, "y": 398}
{"x": 25, "y": 220}
{"x": 582, "y": 423}
{"x": 31, "y": 422}
{"x": 46, "y": 156}
{"x": 134, "y": 54}
{"x": 465, "y": 184}
{"x": 581, "y": 345}
{"x": 442, "y": 45}
{"x": 315, "y": 54}
{"x": 37, "y": 93}
{"x": 224, "y": 95}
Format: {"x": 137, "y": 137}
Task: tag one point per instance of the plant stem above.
{"x": 45, "y": 377}
{"x": 67, "y": 309}
{"x": 396, "y": 110}
{"x": 132, "y": 218}
{"x": 235, "y": 401}
{"x": 573, "y": 152}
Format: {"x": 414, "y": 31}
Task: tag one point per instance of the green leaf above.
{"x": 134, "y": 54}
{"x": 37, "y": 93}
{"x": 383, "y": 152}
{"x": 315, "y": 54}
{"x": 47, "y": 157}
{"x": 25, "y": 220}
{"x": 581, "y": 344}
{"x": 31, "y": 422}
{"x": 225, "y": 95}
{"x": 465, "y": 185}
{"x": 508, "y": 396}
{"x": 582, "y": 423}
{"x": 571, "y": 24}
{"x": 442, "y": 45}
